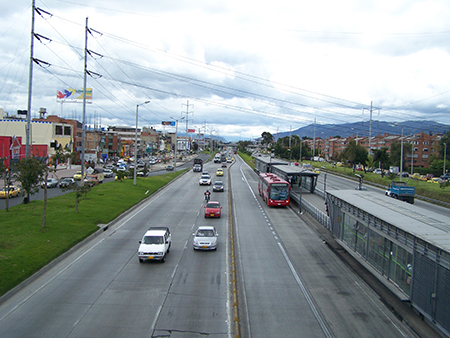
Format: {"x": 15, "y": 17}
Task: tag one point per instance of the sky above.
{"x": 232, "y": 68}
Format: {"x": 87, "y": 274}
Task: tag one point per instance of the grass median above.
{"x": 26, "y": 247}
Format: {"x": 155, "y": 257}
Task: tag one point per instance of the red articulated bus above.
{"x": 274, "y": 190}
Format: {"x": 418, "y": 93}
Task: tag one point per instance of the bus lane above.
{"x": 341, "y": 304}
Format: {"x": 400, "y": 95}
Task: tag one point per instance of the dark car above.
{"x": 446, "y": 176}
{"x": 218, "y": 186}
{"x": 170, "y": 167}
{"x": 66, "y": 182}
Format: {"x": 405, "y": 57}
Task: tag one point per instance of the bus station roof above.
{"x": 431, "y": 227}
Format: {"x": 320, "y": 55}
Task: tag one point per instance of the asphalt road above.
{"x": 290, "y": 284}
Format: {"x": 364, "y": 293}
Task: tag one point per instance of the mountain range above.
{"x": 362, "y": 129}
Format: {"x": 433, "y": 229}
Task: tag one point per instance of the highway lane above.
{"x": 292, "y": 283}
{"x": 101, "y": 290}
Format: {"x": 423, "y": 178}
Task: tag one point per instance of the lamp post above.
{"x": 135, "y": 142}
{"x": 176, "y": 142}
{"x": 445, "y": 156}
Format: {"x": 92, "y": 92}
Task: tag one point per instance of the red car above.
{"x": 213, "y": 209}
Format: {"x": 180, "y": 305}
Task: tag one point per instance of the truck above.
{"x": 155, "y": 244}
{"x": 401, "y": 191}
{"x": 198, "y": 164}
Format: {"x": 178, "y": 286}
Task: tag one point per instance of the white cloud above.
{"x": 241, "y": 64}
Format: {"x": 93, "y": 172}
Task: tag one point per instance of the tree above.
{"x": 30, "y": 172}
{"x": 381, "y": 156}
{"x": 355, "y": 154}
{"x": 267, "y": 138}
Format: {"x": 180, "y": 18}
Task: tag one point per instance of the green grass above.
{"x": 248, "y": 159}
{"x": 26, "y": 247}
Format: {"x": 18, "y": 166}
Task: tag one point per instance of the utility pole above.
{"x": 187, "y": 123}
{"x": 29, "y": 143}
{"x": 314, "y": 139}
{"x": 83, "y": 120}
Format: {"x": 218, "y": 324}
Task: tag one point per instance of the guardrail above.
{"x": 318, "y": 214}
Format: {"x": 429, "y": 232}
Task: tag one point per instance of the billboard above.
{"x": 73, "y": 95}
{"x": 168, "y": 123}
{"x": 191, "y": 130}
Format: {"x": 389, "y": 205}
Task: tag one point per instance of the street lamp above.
{"x": 445, "y": 156}
{"x": 176, "y": 141}
{"x": 135, "y": 142}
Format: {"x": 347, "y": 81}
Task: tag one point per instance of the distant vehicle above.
{"x": 217, "y": 158}
{"x": 197, "y": 168}
{"x": 404, "y": 174}
{"x": 10, "y": 191}
{"x": 219, "y": 172}
{"x": 66, "y": 182}
{"x": 218, "y": 186}
{"x": 170, "y": 167}
{"x": 91, "y": 180}
{"x": 274, "y": 190}
{"x": 108, "y": 173}
{"x": 446, "y": 176}
{"x": 77, "y": 176}
{"x": 205, "y": 179}
{"x": 205, "y": 238}
{"x": 51, "y": 183}
{"x": 155, "y": 244}
{"x": 401, "y": 191}
{"x": 213, "y": 209}
{"x": 378, "y": 171}
{"x": 224, "y": 164}
{"x": 198, "y": 161}
{"x": 394, "y": 170}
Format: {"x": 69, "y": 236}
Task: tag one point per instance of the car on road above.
{"x": 10, "y": 191}
{"x": 91, "y": 180}
{"x": 205, "y": 179}
{"x": 435, "y": 180}
{"x": 213, "y": 209}
{"x": 378, "y": 171}
{"x": 155, "y": 244}
{"x": 445, "y": 177}
{"x": 219, "y": 172}
{"x": 224, "y": 164}
{"x": 170, "y": 167}
{"x": 66, "y": 182}
{"x": 51, "y": 183}
{"x": 77, "y": 176}
{"x": 218, "y": 186}
{"x": 108, "y": 172}
{"x": 205, "y": 238}
{"x": 197, "y": 168}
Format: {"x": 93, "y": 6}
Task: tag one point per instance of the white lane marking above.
{"x": 294, "y": 273}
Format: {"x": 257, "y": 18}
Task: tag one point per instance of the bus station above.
{"x": 404, "y": 245}
{"x": 294, "y": 174}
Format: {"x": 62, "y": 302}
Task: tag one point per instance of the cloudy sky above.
{"x": 243, "y": 66}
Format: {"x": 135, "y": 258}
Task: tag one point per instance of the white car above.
{"x": 205, "y": 179}
{"x": 108, "y": 173}
{"x": 155, "y": 244}
{"x": 205, "y": 238}
{"x": 51, "y": 183}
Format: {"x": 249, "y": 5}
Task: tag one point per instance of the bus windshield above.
{"x": 279, "y": 191}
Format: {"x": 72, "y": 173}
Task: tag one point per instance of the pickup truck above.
{"x": 155, "y": 244}
{"x": 401, "y": 191}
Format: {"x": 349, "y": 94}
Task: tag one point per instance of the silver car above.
{"x": 205, "y": 238}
